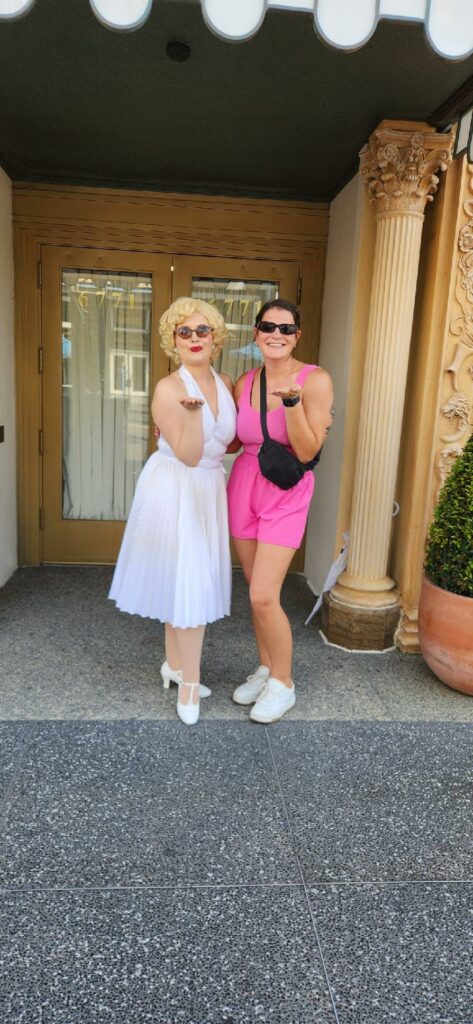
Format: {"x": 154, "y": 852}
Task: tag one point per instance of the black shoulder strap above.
{"x": 262, "y": 415}
{"x": 262, "y": 404}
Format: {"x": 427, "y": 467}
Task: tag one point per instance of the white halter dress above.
{"x": 174, "y": 562}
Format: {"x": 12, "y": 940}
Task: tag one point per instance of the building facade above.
{"x": 383, "y": 275}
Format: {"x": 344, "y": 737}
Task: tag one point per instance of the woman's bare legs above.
{"x": 266, "y": 576}
{"x": 171, "y": 647}
{"x": 189, "y": 644}
{"x": 246, "y": 550}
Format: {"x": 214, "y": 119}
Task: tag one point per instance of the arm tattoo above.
{"x": 332, "y": 414}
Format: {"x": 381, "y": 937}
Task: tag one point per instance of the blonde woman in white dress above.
{"x": 174, "y": 562}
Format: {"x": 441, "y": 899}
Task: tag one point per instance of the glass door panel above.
{"x": 106, "y": 351}
{"x": 238, "y": 288}
{"x": 101, "y": 361}
{"x": 238, "y": 302}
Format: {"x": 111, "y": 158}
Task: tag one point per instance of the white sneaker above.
{"x": 174, "y": 675}
{"x": 274, "y": 701}
{"x": 248, "y": 692}
{"x": 189, "y": 713}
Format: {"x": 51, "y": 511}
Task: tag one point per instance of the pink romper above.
{"x": 257, "y": 508}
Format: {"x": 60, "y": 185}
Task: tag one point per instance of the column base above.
{"x": 406, "y": 636}
{"x": 359, "y": 628}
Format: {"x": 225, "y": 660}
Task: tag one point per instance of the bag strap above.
{"x": 262, "y": 404}
{"x": 264, "y": 426}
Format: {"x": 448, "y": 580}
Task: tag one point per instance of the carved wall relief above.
{"x": 456, "y": 408}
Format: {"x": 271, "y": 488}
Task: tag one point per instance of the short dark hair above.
{"x": 279, "y": 304}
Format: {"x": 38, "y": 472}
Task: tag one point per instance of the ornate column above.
{"x": 400, "y": 166}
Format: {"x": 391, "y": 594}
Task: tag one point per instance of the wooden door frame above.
{"x": 150, "y": 222}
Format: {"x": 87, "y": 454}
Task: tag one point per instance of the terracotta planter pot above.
{"x": 446, "y": 635}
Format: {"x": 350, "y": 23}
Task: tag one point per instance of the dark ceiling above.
{"x": 280, "y": 115}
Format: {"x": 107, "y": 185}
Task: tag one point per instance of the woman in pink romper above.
{"x": 267, "y": 523}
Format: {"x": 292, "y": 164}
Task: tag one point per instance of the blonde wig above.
{"x": 179, "y": 311}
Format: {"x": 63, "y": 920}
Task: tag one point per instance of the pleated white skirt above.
{"x": 174, "y": 562}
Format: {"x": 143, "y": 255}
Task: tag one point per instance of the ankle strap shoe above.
{"x": 188, "y": 713}
{"x": 170, "y": 675}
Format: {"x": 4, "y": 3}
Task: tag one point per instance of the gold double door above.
{"x": 101, "y": 358}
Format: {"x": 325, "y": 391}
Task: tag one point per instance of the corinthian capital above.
{"x": 400, "y": 165}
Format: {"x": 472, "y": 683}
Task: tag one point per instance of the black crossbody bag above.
{"x": 276, "y": 462}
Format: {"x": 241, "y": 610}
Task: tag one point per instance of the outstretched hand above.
{"x": 187, "y": 403}
{"x": 191, "y": 403}
{"x": 292, "y": 391}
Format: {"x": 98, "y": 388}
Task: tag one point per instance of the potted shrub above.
{"x": 446, "y": 601}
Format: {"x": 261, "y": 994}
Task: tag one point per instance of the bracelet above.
{"x": 289, "y": 402}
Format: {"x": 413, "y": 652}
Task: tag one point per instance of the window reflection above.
{"x": 238, "y": 302}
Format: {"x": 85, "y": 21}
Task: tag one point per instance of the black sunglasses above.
{"x": 266, "y": 327}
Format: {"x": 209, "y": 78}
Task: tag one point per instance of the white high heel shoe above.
{"x": 170, "y": 675}
{"x": 188, "y": 713}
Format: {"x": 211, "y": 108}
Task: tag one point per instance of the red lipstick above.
{"x": 196, "y": 348}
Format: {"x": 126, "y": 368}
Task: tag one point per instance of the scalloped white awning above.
{"x": 345, "y": 24}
